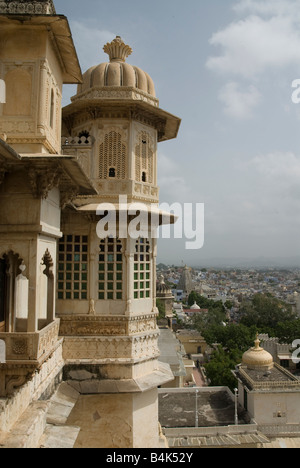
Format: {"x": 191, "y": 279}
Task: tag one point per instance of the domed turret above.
{"x": 117, "y": 73}
{"x": 257, "y": 358}
{"x": 162, "y": 289}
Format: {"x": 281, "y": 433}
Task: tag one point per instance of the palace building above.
{"x": 77, "y": 306}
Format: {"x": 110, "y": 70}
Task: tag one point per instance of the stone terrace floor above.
{"x": 177, "y": 409}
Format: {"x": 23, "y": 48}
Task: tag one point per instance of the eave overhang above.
{"x": 59, "y": 28}
{"x": 71, "y": 172}
{"x": 166, "y": 124}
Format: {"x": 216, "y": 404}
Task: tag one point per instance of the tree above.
{"x": 233, "y": 340}
{"x": 287, "y": 332}
{"x": 228, "y": 304}
{"x": 205, "y": 303}
{"x": 219, "y": 369}
{"x": 232, "y": 337}
{"x": 266, "y": 311}
{"x": 161, "y": 309}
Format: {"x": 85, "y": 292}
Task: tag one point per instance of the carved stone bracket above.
{"x": 13, "y": 377}
{"x": 43, "y": 180}
{"x": 68, "y": 194}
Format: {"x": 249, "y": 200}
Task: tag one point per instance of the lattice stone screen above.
{"x": 112, "y": 157}
{"x": 144, "y": 159}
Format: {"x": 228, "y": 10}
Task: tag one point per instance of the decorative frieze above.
{"x": 37, "y": 7}
{"x": 120, "y": 349}
{"x": 92, "y": 325}
{"x": 117, "y": 93}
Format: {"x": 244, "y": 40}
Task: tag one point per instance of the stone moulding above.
{"x": 84, "y": 325}
{"x": 113, "y": 93}
{"x": 116, "y": 350}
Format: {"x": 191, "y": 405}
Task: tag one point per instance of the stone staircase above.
{"x": 44, "y": 423}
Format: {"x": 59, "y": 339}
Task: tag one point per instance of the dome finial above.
{"x": 257, "y": 342}
{"x": 117, "y": 50}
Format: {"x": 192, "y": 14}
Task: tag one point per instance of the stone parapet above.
{"x": 31, "y": 348}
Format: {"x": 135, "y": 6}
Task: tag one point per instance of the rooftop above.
{"x": 215, "y": 407}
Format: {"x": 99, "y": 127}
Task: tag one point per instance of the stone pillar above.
{"x": 32, "y": 322}
{"x": 42, "y": 116}
{"x": 116, "y": 420}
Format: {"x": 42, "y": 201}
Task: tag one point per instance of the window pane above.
{"x": 112, "y": 265}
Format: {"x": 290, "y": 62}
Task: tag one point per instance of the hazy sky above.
{"x": 226, "y": 69}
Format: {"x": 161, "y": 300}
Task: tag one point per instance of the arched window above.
{"x": 13, "y": 292}
{"x": 112, "y": 172}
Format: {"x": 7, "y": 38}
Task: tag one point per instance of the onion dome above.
{"x": 195, "y": 306}
{"x": 117, "y": 73}
{"x": 257, "y": 358}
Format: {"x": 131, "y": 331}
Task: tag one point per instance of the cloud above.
{"x": 262, "y": 42}
{"x": 173, "y": 185}
{"x": 239, "y": 104}
{"x": 255, "y": 45}
{"x": 276, "y": 178}
{"x": 268, "y": 7}
{"x": 86, "y": 35}
{"x": 280, "y": 167}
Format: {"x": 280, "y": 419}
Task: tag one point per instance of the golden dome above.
{"x": 117, "y": 73}
{"x": 257, "y": 357}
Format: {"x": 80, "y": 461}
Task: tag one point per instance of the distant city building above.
{"x": 186, "y": 283}
{"x": 164, "y": 294}
{"x": 269, "y": 393}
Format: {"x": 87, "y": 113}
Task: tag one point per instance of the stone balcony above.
{"x": 31, "y": 348}
{"x": 24, "y": 355}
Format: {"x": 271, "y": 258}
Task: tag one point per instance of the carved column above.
{"x": 32, "y": 322}
{"x": 42, "y": 118}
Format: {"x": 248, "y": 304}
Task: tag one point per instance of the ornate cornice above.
{"x": 41, "y": 7}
